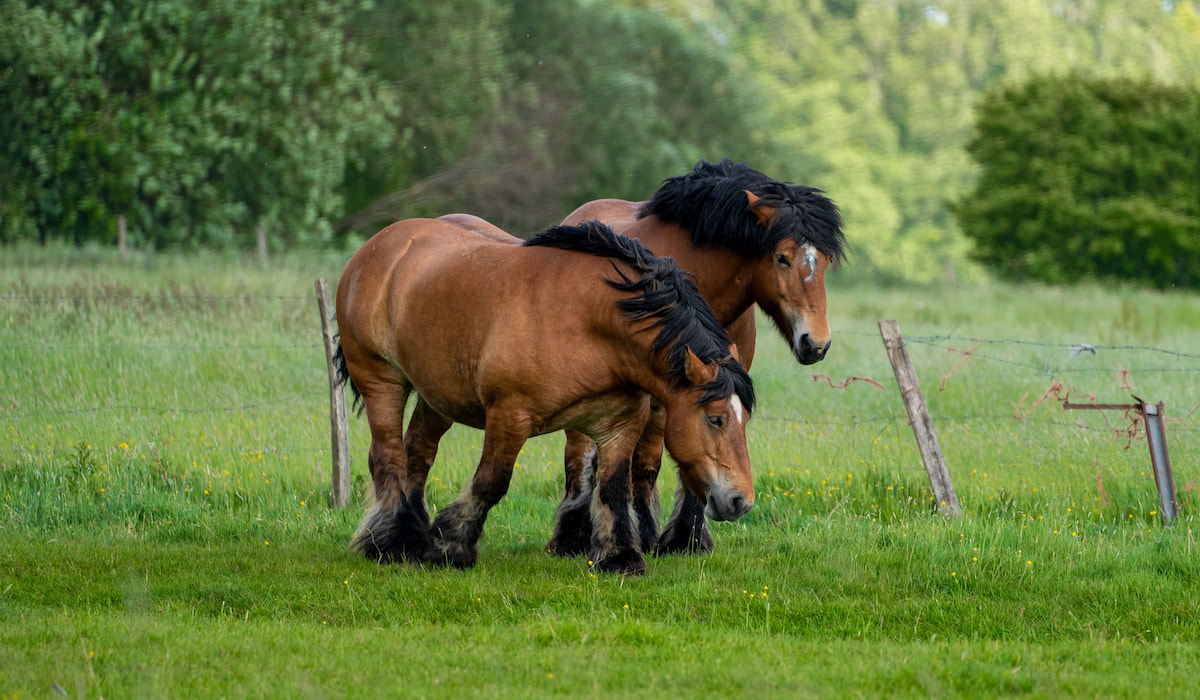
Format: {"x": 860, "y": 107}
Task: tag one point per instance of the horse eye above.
{"x": 716, "y": 421}
{"x": 782, "y": 260}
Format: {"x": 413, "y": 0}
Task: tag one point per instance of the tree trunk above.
{"x": 262, "y": 243}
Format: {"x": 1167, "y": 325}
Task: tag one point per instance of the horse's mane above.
{"x": 668, "y": 295}
{"x": 710, "y": 203}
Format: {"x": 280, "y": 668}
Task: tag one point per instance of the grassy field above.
{"x": 166, "y": 530}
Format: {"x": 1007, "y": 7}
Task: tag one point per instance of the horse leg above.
{"x": 457, "y": 528}
{"x": 615, "y": 546}
{"x": 425, "y": 431}
{"x": 647, "y": 461}
{"x": 573, "y": 520}
{"x": 686, "y": 530}
{"x": 389, "y": 531}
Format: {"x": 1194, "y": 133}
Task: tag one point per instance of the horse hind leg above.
{"x": 421, "y": 440}
{"x": 573, "y": 519}
{"x": 396, "y": 526}
{"x": 457, "y": 528}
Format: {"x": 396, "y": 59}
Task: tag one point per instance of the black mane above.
{"x": 666, "y": 294}
{"x": 710, "y": 203}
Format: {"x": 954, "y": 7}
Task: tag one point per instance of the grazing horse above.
{"x": 746, "y": 239}
{"x": 577, "y": 328}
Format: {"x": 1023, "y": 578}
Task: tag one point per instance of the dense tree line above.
{"x": 201, "y": 122}
{"x": 1088, "y": 179}
{"x": 195, "y": 121}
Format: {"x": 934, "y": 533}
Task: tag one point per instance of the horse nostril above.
{"x": 738, "y": 504}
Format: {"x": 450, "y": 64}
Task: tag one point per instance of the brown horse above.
{"x": 521, "y": 340}
{"x": 747, "y": 239}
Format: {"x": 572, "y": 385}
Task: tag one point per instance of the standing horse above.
{"x": 521, "y": 340}
{"x": 746, "y": 239}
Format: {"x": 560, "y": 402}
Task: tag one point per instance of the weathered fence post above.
{"x": 1161, "y": 462}
{"x": 339, "y": 431}
{"x": 918, "y": 415}
{"x": 1164, "y": 482}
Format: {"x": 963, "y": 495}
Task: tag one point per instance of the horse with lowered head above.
{"x": 577, "y": 328}
{"x": 748, "y": 240}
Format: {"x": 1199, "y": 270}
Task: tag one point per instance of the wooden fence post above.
{"x": 339, "y": 431}
{"x": 918, "y": 415}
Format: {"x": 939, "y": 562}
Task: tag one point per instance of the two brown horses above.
{"x": 747, "y": 240}
{"x": 577, "y": 328}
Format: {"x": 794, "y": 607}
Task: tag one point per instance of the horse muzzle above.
{"x": 808, "y": 351}
{"x": 727, "y": 506}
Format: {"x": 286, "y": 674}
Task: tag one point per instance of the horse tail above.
{"x": 343, "y": 376}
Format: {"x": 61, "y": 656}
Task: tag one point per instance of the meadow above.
{"x": 166, "y": 529}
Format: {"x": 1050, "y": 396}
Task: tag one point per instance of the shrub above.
{"x": 1087, "y": 178}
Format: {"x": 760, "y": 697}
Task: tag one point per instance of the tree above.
{"x": 1087, "y": 178}
{"x": 593, "y": 100}
{"x": 200, "y": 121}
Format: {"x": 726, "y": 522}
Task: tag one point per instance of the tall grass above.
{"x": 164, "y": 475}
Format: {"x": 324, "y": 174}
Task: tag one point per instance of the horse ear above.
{"x": 764, "y": 212}
{"x": 697, "y": 372}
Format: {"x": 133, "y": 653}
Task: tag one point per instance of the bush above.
{"x": 1087, "y": 178}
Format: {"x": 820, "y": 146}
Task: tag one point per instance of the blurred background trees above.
{"x": 1086, "y": 178}
{"x": 321, "y": 122}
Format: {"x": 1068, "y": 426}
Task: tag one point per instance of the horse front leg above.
{"x": 573, "y": 519}
{"x": 686, "y": 531}
{"x": 647, "y": 462}
{"x": 615, "y": 542}
{"x": 457, "y": 528}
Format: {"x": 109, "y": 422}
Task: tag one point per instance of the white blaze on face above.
{"x": 810, "y": 259}
{"x": 738, "y": 410}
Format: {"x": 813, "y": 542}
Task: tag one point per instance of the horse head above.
{"x": 789, "y": 286}
{"x": 706, "y": 434}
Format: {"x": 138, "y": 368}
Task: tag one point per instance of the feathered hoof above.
{"x": 681, "y": 539}
{"x": 393, "y": 535}
{"x": 451, "y": 555}
{"x": 627, "y": 562}
{"x": 570, "y": 541}
{"x": 572, "y": 528}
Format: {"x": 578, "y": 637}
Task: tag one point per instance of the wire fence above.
{"x": 858, "y": 400}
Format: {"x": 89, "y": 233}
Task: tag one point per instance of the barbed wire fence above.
{"x": 1132, "y": 423}
{"x": 1124, "y": 429}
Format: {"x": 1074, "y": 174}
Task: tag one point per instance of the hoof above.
{"x": 569, "y": 543}
{"x": 399, "y": 533}
{"x": 573, "y": 530}
{"x": 450, "y": 555}
{"x": 629, "y": 562}
{"x": 678, "y": 538}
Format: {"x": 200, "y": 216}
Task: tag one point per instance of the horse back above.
{"x": 619, "y": 214}
{"x": 471, "y": 321}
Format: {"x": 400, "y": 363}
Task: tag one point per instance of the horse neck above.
{"x": 725, "y": 278}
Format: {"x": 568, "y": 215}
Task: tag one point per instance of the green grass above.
{"x": 165, "y": 527}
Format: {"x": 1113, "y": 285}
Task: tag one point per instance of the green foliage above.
{"x": 201, "y": 123}
{"x": 521, "y": 111}
{"x": 873, "y": 101}
{"x": 1088, "y": 178}
{"x": 197, "y": 122}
